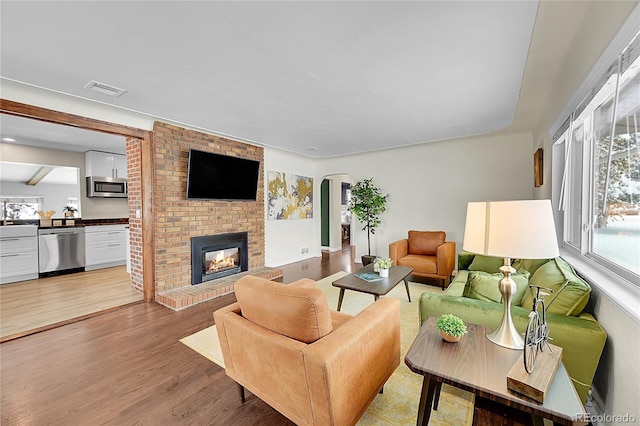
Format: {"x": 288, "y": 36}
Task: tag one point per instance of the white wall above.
{"x": 431, "y": 184}
{"x": 90, "y": 208}
{"x": 285, "y": 238}
{"x": 544, "y": 192}
{"x": 55, "y": 195}
{"x": 617, "y": 378}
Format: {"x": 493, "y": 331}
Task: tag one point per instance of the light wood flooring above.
{"x": 36, "y": 304}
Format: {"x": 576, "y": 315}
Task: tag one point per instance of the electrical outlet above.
{"x": 304, "y": 250}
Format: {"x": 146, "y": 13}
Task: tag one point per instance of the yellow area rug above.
{"x": 207, "y": 344}
{"x": 398, "y": 405}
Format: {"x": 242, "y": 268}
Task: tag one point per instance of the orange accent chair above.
{"x": 427, "y": 253}
{"x": 314, "y": 365}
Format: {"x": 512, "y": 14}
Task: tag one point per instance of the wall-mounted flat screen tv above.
{"x": 221, "y": 177}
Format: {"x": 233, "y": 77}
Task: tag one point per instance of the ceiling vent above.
{"x": 96, "y": 86}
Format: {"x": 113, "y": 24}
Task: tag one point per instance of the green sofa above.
{"x": 472, "y": 296}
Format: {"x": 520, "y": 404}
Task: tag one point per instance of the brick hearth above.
{"x": 187, "y": 296}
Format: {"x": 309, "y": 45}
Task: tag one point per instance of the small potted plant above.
{"x": 69, "y": 211}
{"x": 451, "y": 327}
{"x": 381, "y": 266}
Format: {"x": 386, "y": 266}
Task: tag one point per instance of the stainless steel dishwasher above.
{"x": 60, "y": 249}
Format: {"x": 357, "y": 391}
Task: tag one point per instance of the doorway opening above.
{"x": 139, "y": 148}
{"x": 336, "y": 219}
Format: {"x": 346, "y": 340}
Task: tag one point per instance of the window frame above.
{"x": 567, "y": 218}
{"x": 21, "y": 199}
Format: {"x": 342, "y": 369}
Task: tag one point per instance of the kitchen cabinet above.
{"x": 109, "y": 164}
{"x": 18, "y": 253}
{"x": 105, "y": 246}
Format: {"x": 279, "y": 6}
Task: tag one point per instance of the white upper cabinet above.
{"x": 120, "y": 165}
{"x": 109, "y": 164}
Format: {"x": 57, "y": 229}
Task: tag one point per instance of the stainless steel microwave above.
{"x": 107, "y": 187}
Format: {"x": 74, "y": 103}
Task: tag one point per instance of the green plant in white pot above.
{"x": 381, "y": 266}
{"x": 451, "y": 327}
{"x": 367, "y": 203}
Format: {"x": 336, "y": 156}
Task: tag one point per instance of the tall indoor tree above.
{"x": 367, "y": 203}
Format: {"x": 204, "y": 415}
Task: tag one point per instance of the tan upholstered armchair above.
{"x": 427, "y": 253}
{"x": 314, "y": 365}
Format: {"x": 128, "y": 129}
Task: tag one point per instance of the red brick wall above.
{"x": 134, "y": 174}
{"x": 177, "y": 219}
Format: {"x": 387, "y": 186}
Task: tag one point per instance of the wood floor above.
{"x": 127, "y": 367}
{"x": 37, "y": 304}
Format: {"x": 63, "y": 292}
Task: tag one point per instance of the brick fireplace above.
{"x": 178, "y": 220}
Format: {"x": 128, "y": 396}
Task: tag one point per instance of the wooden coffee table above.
{"x": 375, "y": 288}
{"x": 477, "y": 365}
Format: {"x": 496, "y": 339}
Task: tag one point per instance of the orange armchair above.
{"x": 427, "y": 253}
{"x": 314, "y": 365}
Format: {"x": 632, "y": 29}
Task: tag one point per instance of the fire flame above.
{"x": 220, "y": 263}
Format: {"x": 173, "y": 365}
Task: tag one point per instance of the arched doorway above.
{"x": 336, "y": 224}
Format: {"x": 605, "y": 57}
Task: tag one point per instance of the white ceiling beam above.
{"x": 40, "y": 174}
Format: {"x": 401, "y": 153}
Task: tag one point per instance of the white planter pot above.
{"x": 384, "y": 273}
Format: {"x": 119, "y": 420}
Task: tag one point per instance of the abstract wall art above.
{"x": 290, "y": 196}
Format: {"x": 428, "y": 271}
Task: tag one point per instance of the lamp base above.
{"x": 506, "y": 334}
{"x": 506, "y": 337}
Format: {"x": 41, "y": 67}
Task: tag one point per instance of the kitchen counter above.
{"x": 29, "y": 250}
{"x": 118, "y": 221}
{"x": 78, "y": 222}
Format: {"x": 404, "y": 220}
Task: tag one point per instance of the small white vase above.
{"x": 384, "y": 273}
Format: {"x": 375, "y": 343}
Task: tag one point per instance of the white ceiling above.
{"x": 29, "y": 132}
{"x": 66, "y": 138}
{"x": 342, "y": 77}
{"x": 22, "y": 172}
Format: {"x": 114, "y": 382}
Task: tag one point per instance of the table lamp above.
{"x": 510, "y": 229}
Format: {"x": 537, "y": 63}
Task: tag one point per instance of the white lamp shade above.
{"x": 521, "y": 229}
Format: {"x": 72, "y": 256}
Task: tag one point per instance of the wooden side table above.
{"x": 477, "y": 365}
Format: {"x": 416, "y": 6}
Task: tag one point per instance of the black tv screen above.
{"x": 221, "y": 177}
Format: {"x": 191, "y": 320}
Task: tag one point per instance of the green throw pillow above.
{"x": 484, "y": 286}
{"x": 530, "y": 265}
{"x": 464, "y": 260}
{"x": 570, "y": 292}
{"x": 487, "y": 264}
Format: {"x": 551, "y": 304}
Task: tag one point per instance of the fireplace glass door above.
{"x": 217, "y": 261}
{"x": 218, "y": 256}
